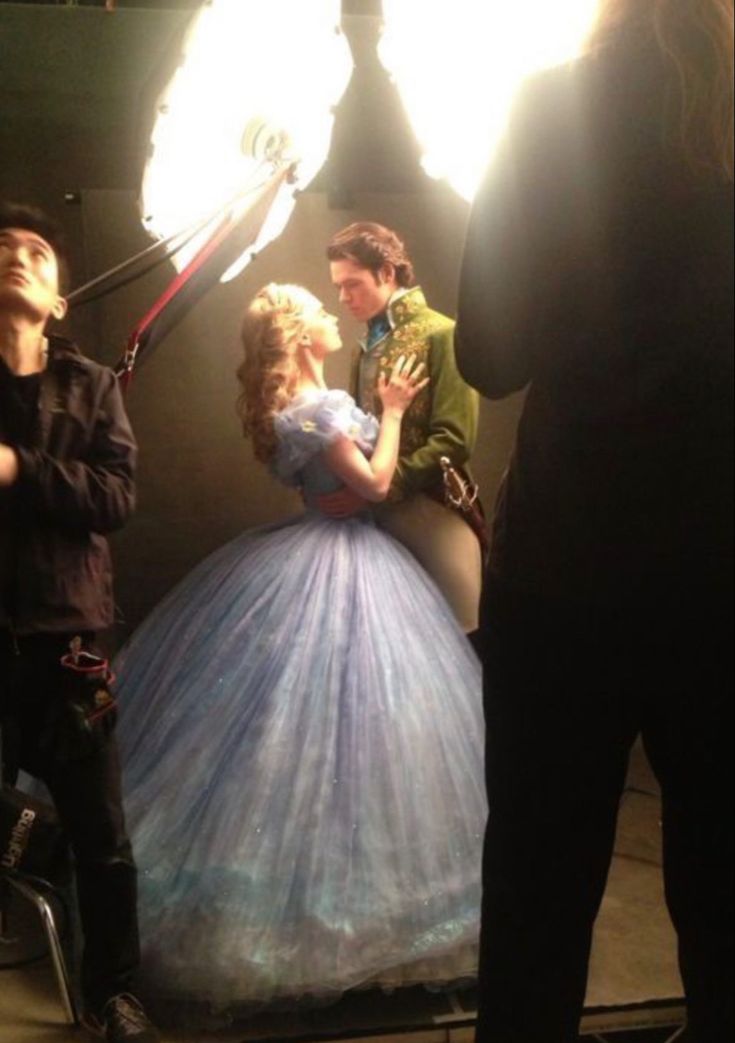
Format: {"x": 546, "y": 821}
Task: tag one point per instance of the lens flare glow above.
{"x": 254, "y": 74}
{"x": 458, "y": 66}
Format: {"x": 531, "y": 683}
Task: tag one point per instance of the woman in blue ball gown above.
{"x": 302, "y": 722}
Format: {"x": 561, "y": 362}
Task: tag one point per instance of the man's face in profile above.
{"x": 363, "y": 293}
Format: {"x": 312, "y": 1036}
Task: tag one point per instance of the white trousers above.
{"x": 446, "y": 547}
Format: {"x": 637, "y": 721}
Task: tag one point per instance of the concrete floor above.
{"x": 634, "y": 978}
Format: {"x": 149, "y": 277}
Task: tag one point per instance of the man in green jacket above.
{"x": 374, "y": 276}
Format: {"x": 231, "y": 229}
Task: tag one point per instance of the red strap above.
{"x": 200, "y": 257}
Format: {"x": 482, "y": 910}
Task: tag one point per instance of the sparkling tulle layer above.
{"x": 302, "y": 740}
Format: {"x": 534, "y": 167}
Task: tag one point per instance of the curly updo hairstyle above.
{"x": 271, "y": 329}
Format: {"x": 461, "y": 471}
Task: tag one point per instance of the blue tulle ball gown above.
{"x": 302, "y": 738}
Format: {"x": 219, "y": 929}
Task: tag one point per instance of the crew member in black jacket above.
{"x": 67, "y": 464}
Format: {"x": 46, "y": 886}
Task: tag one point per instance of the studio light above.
{"x": 254, "y": 90}
{"x": 245, "y": 121}
{"x": 458, "y": 66}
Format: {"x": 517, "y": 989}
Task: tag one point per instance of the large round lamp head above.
{"x": 458, "y": 65}
{"x": 255, "y": 88}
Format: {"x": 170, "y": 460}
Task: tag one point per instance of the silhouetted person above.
{"x": 598, "y": 272}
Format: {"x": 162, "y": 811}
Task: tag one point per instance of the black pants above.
{"x": 567, "y": 690}
{"x": 87, "y": 796}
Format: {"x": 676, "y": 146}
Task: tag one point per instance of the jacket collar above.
{"x": 62, "y": 350}
{"x": 404, "y": 305}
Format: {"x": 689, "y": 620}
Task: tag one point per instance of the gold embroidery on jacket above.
{"x": 414, "y": 325}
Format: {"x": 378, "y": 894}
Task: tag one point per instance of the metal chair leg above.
{"x": 46, "y": 913}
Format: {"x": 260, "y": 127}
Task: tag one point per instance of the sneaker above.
{"x": 122, "y": 1020}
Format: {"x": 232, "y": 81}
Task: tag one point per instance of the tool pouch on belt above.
{"x": 88, "y": 711}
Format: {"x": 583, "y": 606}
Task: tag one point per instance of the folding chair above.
{"x": 39, "y": 894}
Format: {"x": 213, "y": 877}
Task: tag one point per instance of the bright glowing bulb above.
{"x": 268, "y": 73}
{"x": 458, "y": 66}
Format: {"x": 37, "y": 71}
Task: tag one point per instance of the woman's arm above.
{"x": 368, "y": 478}
{"x": 496, "y": 289}
{"x": 371, "y": 478}
{"x": 534, "y": 241}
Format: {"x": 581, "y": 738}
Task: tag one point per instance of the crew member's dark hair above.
{"x": 33, "y": 219}
{"x": 696, "y": 37}
{"x": 372, "y": 246}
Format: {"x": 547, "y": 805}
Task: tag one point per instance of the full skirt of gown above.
{"x": 302, "y": 738}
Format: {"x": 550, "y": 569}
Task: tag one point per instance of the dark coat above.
{"x": 598, "y": 270}
{"x": 76, "y": 483}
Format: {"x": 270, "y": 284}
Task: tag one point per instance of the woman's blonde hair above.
{"x": 271, "y": 329}
{"x": 697, "y": 37}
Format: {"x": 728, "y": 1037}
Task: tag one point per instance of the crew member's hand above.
{"x": 343, "y": 504}
{"x": 8, "y": 465}
{"x": 398, "y": 391}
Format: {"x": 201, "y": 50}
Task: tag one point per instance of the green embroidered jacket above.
{"x": 442, "y": 419}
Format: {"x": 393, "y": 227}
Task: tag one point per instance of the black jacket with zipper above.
{"x": 75, "y": 484}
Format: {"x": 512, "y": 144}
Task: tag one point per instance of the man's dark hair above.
{"x": 372, "y": 246}
{"x": 33, "y": 219}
